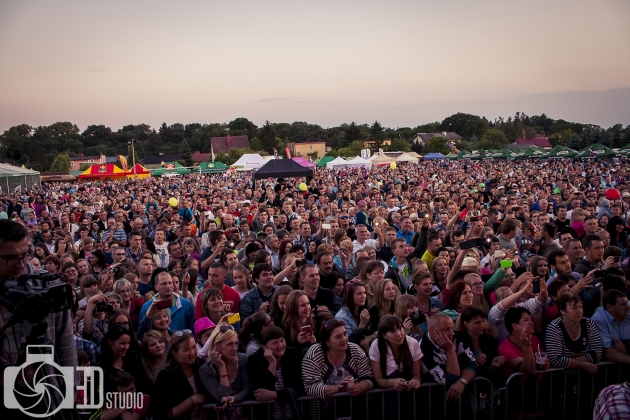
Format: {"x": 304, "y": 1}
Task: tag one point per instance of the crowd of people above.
{"x": 256, "y": 290}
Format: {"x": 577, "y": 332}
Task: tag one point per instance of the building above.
{"x": 224, "y": 144}
{"x": 370, "y": 144}
{"x": 540, "y": 141}
{"x": 199, "y": 157}
{"x": 76, "y": 162}
{"x": 305, "y": 149}
{"x": 423, "y": 138}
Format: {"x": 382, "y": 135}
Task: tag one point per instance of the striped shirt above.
{"x": 613, "y": 403}
{"x": 561, "y": 348}
{"x": 316, "y": 368}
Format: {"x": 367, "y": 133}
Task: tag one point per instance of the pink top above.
{"x": 510, "y": 351}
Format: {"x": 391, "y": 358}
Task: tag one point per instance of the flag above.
{"x": 288, "y": 151}
{"x": 123, "y": 162}
{"x": 592, "y": 153}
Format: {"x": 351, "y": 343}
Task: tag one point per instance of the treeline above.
{"x": 37, "y": 147}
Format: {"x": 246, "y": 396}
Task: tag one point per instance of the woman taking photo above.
{"x": 275, "y": 371}
{"x": 225, "y": 375}
{"x": 539, "y": 267}
{"x": 354, "y": 312}
{"x": 131, "y": 301}
{"x": 407, "y": 310}
{"x": 395, "y": 359}
{"x": 156, "y": 320}
{"x": 249, "y": 336}
{"x": 298, "y": 323}
{"x": 178, "y": 391}
{"x": 384, "y": 296}
{"x": 572, "y": 340}
{"x": 335, "y": 365}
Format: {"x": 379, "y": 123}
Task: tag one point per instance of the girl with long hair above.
{"x": 407, "y": 310}
{"x": 354, "y": 312}
{"x": 242, "y": 280}
{"x": 153, "y": 354}
{"x": 249, "y": 336}
{"x": 384, "y": 296}
{"x": 279, "y": 303}
{"x": 298, "y": 323}
{"x": 179, "y": 391}
{"x": 395, "y": 359}
{"x": 439, "y": 271}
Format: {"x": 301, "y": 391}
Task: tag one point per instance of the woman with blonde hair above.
{"x": 298, "y": 322}
{"x": 385, "y": 294}
{"x": 225, "y": 375}
{"x": 439, "y": 271}
{"x": 344, "y": 258}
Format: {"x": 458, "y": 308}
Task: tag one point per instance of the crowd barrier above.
{"x": 556, "y": 393}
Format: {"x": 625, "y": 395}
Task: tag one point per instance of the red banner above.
{"x": 286, "y": 149}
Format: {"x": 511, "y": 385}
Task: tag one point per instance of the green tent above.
{"x": 495, "y": 154}
{"x": 170, "y": 168}
{"x": 506, "y": 153}
{"x": 596, "y": 150}
{"x": 561, "y": 152}
{"x": 537, "y": 152}
{"x": 451, "y": 155}
{"x": 323, "y": 161}
{"x": 213, "y": 167}
{"x": 479, "y": 155}
{"x": 624, "y": 151}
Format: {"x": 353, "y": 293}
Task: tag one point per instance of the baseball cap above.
{"x": 482, "y": 185}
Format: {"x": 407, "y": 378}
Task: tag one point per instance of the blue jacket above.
{"x": 251, "y": 302}
{"x": 182, "y": 314}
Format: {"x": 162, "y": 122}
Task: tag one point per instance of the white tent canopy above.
{"x": 406, "y": 158}
{"x": 338, "y": 162}
{"x": 249, "y": 161}
{"x": 381, "y": 159}
{"x": 358, "y": 161}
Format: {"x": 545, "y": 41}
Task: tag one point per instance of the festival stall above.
{"x": 381, "y": 159}
{"x": 323, "y": 161}
{"x": 359, "y": 162}
{"x": 337, "y": 163}
{"x": 434, "y": 156}
{"x": 406, "y": 158}
{"x": 596, "y": 151}
{"x": 248, "y": 162}
{"x": 12, "y": 178}
{"x": 101, "y": 172}
{"x": 561, "y": 152}
{"x": 304, "y": 162}
{"x": 213, "y": 167}
{"x": 140, "y": 173}
{"x": 170, "y": 169}
{"x": 283, "y": 168}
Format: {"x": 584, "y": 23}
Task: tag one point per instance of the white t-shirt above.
{"x": 414, "y": 348}
{"x": 162, "y": 253}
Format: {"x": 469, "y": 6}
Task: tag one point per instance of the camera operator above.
{"x": 13, "y": 263}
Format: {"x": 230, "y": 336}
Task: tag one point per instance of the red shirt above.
{"x": 509, "y": 350}
{"x": 231, "y": 301}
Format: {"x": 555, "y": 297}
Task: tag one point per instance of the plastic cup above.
{"x": 541, "y": 359}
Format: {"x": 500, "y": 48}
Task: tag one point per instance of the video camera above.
{"x": 30, "y": 299}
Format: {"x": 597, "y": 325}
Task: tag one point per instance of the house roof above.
{"x": 161, "y": 157}
{"x": 448, "y": 135}
{"x": 85, "y": 157}
{"x": 224, "y": 144}
{"x": 536, "y": 141}
{"x": 199, "y": 157}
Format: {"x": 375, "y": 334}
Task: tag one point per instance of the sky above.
{"x": 401, "y": 62}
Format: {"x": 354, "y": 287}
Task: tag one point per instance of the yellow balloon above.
{"x": 173, "y": 201}
{"x": 302, "y": 186}
{"x": 392, "y": 165}
{"x": 380, "y": 183}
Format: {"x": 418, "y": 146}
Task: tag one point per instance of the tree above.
{"x": 353, "y": 150}
{"x": 378, "y": 135}
{"x": 493, "y": 139}
{"x": 243, "y": 126}
{"x": 351, "y": 133}
{"x": 574, "y": 142}
{"x": 267, "y": 137}
{"x": 398, "y": 145}
{"x": 185, "y": 152}
{"x": 60, "y": 164}
{"x": 436, "y": 145}
{"x": 466, "y": 125}
{"x": 255, "y": 144}
{"x": 560, "y": 138}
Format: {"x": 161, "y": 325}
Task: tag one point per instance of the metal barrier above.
{"x": 428, "y": 402}
{"x": 558, "y": 393}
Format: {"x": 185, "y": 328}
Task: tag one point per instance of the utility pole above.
{"x": 133, "y": 157}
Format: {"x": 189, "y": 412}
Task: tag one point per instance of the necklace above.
{"x": 574, "y": 336}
